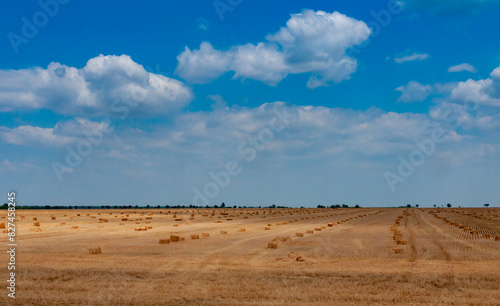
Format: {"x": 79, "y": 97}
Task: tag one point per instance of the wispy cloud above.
{"x": 203, "y": 24}
{"x": 462, "y": 67}
{"x": 415, "y": 56}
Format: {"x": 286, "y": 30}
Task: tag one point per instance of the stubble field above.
{"x": 257, "y": 256}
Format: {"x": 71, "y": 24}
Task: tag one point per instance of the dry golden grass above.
{"x": 355, "y": 256}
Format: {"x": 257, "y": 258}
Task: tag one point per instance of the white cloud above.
{"x": 64, "y": 133}
{"x": 485, "y": 91}
{"x": 78, "y": 126}
{"x": 462, "y": 67}
{"x": 467, "y": 117}
{"x": 411, "y": 57}
{"x": 173, "y": 158}
{"x": 263, "y": 62}
{"x": 496, "y": 73}
{"x": 219, "y": 102}
{"x": 469, "y": 105}
{"x": 115, "y": 154}
{"x": 452, "y": 114}
{"x": 414, "y": 92}
{"x": 8, "y": 165}
{"x": 16, "y": 166}
{"x": 34, "y": 136}
{"x": 311, "y": 42}
{"x": 99, "y": 88}
{"x": 202, "y": 65}
{"x": 315, "y": 131}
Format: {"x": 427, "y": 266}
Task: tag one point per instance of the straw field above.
{"x": 257, "y": 256}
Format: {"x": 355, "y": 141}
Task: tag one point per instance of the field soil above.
{"x": 256, "y": 256}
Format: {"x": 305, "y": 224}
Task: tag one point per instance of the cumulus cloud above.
{"x": 311, "y": 42}
{"x": 485, "y": 91}
{"x": 467, "y": 117}
{"x": 462, "y": 67}
{"x": 415, "y": 56}
{"x": 100, "y": 88}
{"x": 202, "y": 65}
{"x": 263, "y": 62}
{"x": 181, "y": 154}
{"x": 34, "y": 136}
{"x": 414, "y": 92}
{"x": 471, "y": 104}
{"x": 79, "y": 127}
{"x": 63, "y": 133}
{"x": 313, "y": 131}
{"x": 218, "y": 102}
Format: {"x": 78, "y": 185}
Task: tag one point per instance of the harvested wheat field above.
{"x": 307, "y": 256}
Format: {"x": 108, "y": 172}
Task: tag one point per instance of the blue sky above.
{"x": 364, "y": 83}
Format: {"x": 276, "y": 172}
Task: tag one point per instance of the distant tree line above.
{"x": 223, "y": 205}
